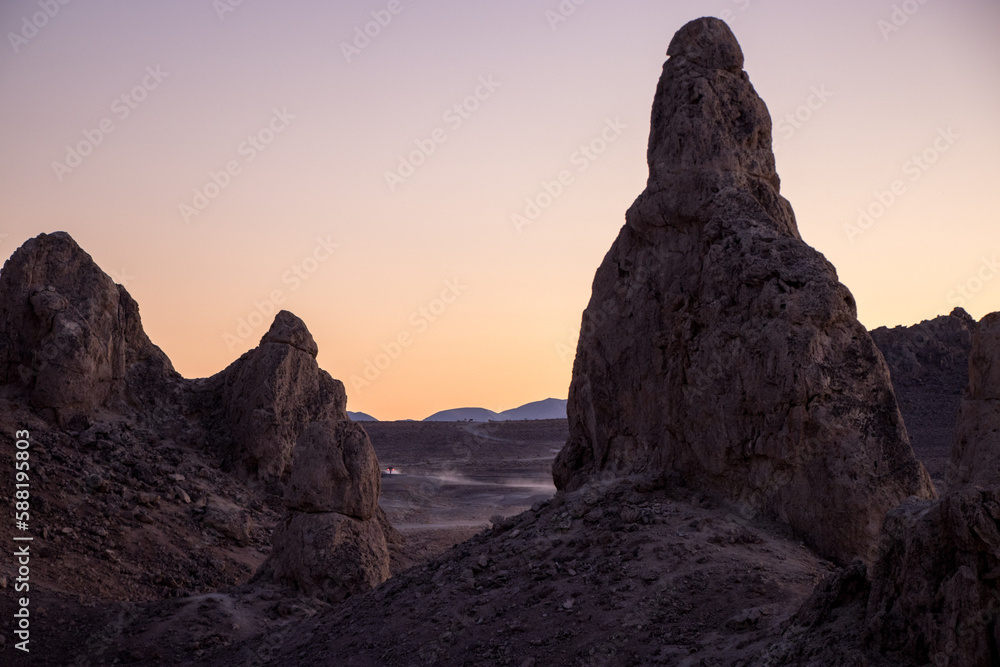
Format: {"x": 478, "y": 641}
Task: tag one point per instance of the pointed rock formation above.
{"x": 719, "y": 351}
{"x": 70, "y": 338}
{"x": 271, "y": 393}
{"x": 71, "y": 343}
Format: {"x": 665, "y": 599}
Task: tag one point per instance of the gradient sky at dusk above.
{"x": 430, "y": 272}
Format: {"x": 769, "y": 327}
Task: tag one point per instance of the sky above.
{"x": 388, "y": 170}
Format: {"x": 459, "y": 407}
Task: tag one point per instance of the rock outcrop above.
{"x": 270, "y": 394}
{"x": 332, "y": 541}
{"x": 935, "y": 597}
{"x": 719, "y": 351}
{"x": 70, "y": 338}
{"x": 975, "y": 459}
{"x": 933, "y": 594}
{"x": 929, "y": 366}
{"x": 72, "y": 348}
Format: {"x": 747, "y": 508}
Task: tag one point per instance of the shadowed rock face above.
{"x": 271, "y": 393}
{"x": 975, "y": 458}
{"x": 929, "y": 365}
{"x": 719, "y": 351}
{"x": 70, "y": 337}
{"x": 72, "y": 344}
{"x": 332, "y": 542}
{"x": 934, "y": 589}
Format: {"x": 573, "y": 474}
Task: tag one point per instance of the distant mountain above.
{"x": 550, "y": 408}
{"x": 361, "y": 416}
{"x": 464, "y": 415}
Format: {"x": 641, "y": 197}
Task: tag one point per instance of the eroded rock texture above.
{"x": 73, "y": 348}
{"x": 332, "y": 542}
{"x": 718, "y": 349}
{"x": 271, "y": 393}
{"x": 70, "y": 338}
{"x": 975, "y": 459}
{"x": 935, "y": 595}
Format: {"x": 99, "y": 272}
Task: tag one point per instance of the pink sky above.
{"x": 237, "y": 163}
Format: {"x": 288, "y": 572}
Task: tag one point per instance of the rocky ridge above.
{"x": 929, "y": 366}
{"x": 77, "y": 368}
{"x": 932, "y": 595}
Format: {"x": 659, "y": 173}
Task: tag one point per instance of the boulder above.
{"x": 719, "y": 351}
{"x": 270, "y": 394}
{"x": 328, "y": 555}
{"x": 334, "y": 469}
{"x": 70, "y": 338}
{"x": 228, "y": 519}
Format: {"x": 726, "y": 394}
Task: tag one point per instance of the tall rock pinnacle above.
{"x": 719, "y": 351}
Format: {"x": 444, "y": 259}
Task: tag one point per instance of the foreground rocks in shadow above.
{"x": 270, "y": 394}
{"x": 975, "y": 459}
{"x": 929, "y": 366}
{"x": 719, "y": 351}
{"x": 332, "y": 542}
{"x": 933, "y": 594}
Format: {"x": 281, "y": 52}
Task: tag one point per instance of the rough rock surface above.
{"x": 933, "y": 595}
{"x": 335, "y": 470}
{"x": 718, "y": 349}
{"x": 73, "y": 352}
{"x": 70, "y": 338}
{"x": 332, "y": 542}
{"x": 327, "y": 555}
{"x": 929, "y": 366}
{"x": 975, "y": 459}
{"x": 271, "y": 393}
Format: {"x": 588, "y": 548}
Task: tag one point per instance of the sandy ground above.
{"x": 451, "y": 479}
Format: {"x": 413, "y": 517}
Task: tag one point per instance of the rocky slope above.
{"x": 145, "y": 484}
{"x": 718, "y": 350}
{"x": 932, "y": 595}
{"x": 725, "y": 405}
{"x": 929, "y": 366}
